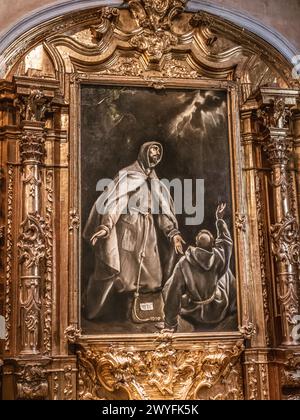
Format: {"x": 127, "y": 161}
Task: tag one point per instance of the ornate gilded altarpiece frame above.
{"x": 157, "y": 45}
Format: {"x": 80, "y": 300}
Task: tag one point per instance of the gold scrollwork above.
{"x": 285, "y": 240}
{"x": 107, "y": 17}
{"x": 48, "y": 298}
{"x": 9, "y": 256}
{"x": 32, "y": 147}
{"x": 262, "y": 252}
{"x": 68, "y": 388}
{"x": 288, "y": 298}
{"x": 290, "y": 372}
{"x": 72, "y": 334}
{"x": 33, "y": 180}
{"x": 31, "y": 243}
{"x": 125, "y": 66}
{"x": 2, "y": 233}
{"x": 248, "y": 330}
{"x": 252, "y": 380}
{"x": 165, "y": 372}
{"x": 147, "y": 44}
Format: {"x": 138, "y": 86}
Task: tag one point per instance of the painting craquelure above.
{"x": 144, "y": 270}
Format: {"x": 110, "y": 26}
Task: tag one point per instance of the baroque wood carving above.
{"x": 276, "y": 110}
{"x": 9, "y": 262}
{"x": 32, "y": 383}
{"x": 210, "y": 372}
{"x": 154, "y": 44}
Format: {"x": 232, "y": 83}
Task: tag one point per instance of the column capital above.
{"x": 275, "y": 106}
{"x": 278, "y": 146}
{"x": 32, "y": 144}
{"x": 35, "y": 96}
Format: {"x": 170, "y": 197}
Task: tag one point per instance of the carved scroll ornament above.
{"x": 154, "y": 34}
{"x": 107, "y": 17}
{"x": 72, "y": 333}
{"x": 286, "y": 240}
{"x": 166, "y": 372}
{"x": 32, "y": 241}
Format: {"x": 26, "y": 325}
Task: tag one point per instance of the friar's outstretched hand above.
{"x": 220, "y": 211}
{"x": 178, "y": 243}
{"x": 98, "y": 235}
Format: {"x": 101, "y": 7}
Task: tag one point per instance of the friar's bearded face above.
{"x": 154, "y": 156}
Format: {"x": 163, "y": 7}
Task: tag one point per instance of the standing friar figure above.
{"x": 125, "y": 231}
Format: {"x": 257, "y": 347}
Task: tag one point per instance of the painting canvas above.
{"x": 156, "y": 208}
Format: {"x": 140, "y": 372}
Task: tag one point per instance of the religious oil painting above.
{"x": 158, "y": 249}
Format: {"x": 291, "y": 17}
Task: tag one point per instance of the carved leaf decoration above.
{"x": 31, "y": 243}
{"x": 285, "y": 240}
{"x": 165, "y": 372}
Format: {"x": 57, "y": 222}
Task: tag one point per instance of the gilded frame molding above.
{"x": 240, "y": 236}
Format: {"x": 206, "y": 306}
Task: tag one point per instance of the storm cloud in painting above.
{"x": 200, "y": 115}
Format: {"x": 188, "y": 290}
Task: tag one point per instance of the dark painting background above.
{"x": 192, "y": 126}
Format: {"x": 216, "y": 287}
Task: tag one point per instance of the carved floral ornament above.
{"x": 286, "y": 240}
{"x": 290, "y": 372}
{"x": 74, "y": 220}
{"x": 154, "y": 34}
{"x": 72, "y": 334}
{"x": 241, "y": 222}
{"x": 211, "y": 372}
{"x": 248, "y": 330}
{"x": 2, "y": 233}
{"x": 150, "y": 20}
{"x": 32, "y": 146}
{"x": 107, "y": 17}
{"x": 32, "y": 240}
{"x": 278, "y": 148}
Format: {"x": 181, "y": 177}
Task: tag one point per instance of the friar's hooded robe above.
{"x": 125, "y": 211}
{"x": 202, "y": 289}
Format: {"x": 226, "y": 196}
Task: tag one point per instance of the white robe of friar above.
{"x": 125, "y": 211}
